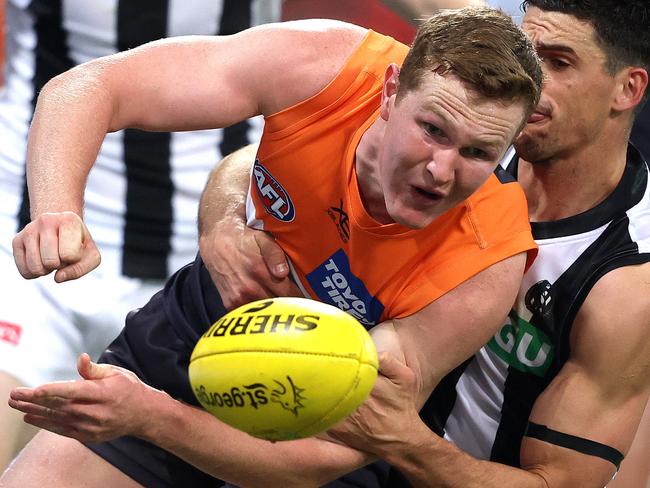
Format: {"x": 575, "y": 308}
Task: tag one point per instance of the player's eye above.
{"x": 474, "y": 153}
{"x": 433, "y": 130}
{"x": 557, "y": 63}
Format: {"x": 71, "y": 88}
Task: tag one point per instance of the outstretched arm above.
{"x": 111, "y": 402}
{"x": 599, "y": 395}
{"x": 174, "y": 84}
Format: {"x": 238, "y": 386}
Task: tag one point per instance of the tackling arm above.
{"x": 244, "y": 264}
{"x": 599, "y": 395}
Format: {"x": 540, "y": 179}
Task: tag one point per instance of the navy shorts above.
{"x": 156, "y": 344}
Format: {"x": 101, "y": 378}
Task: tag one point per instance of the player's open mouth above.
{"x": 429, "y": 195}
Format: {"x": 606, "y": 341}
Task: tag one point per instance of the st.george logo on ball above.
{"x": 283, "y": 368}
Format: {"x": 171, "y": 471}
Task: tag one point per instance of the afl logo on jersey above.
{"x": 275, "y": 199}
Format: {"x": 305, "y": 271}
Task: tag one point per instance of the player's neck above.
{"x": 571, "y": 184}
{"x": 367, "y": 169}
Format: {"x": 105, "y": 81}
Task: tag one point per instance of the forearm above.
{"x": 72, "y": 117}
{"x": 229, "y": 454}
{"x": 427, "y": 460}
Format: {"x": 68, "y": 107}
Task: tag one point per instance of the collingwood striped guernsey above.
{"x": 142, "y": 194}
{"x": 484, "y": 405}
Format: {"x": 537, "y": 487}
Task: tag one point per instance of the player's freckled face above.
{"x": 441, "y": 143}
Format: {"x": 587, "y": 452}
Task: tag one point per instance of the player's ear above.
{"x": 391, "y": 83}
{"x": 632, "y": 84}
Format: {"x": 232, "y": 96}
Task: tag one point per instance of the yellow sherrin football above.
{"x": 283, "y": 368}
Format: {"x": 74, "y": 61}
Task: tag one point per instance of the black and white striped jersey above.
{"x": 484, "y": 405}
{"x": 142, "y": 194}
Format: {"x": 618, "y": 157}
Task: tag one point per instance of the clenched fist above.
{"x": 55, "y": 242}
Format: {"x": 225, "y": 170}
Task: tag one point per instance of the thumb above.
{"x": 89, "y": 370}
{"x": 391, "y": 367}
{"x": 90, "y": 259}
{"x": 273, "y": 255}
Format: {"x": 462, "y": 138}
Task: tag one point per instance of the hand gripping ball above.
{"x": 283, "y": 368}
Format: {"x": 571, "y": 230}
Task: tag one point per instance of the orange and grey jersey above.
{"x": 304, "y": 191}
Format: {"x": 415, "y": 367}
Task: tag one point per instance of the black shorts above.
{"x": 156, "y": 344}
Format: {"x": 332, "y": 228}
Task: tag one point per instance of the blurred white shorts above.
{"x": 44, "y": 325}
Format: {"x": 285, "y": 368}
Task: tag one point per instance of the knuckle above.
{"x": 70, "y": 254}
{"x": 95, "y": 256}
{"x": 35, "y": 269}
{"x": 51, "y": 262}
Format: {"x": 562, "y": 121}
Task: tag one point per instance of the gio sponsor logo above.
{"x": 334, "y": 283}
{"x": 523, "y": 346}
{"x": 283, "y": 392}
{"x": 274, "y": 197}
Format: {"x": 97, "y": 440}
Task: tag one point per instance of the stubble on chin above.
{"x": 532, "y": 149}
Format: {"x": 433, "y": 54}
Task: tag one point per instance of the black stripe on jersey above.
{"x": 51, "y": 59}
{"x": 613, "y": 248}
{"x": 236, "y": 17}
{"x": 503, "y": 176}
{"x": 439, "y": 405}
{"x": 519, "y": 394}
{"x": 149, "y": 187}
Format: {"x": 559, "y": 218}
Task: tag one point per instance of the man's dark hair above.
{"x": 622, "y": 27}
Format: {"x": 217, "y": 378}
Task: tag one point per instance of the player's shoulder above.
{"x": 301, "y": 56}
{"x": 609, "y": 334}
{"x": 623, "y": 290}
{"x": 616, "y": 311}
{"x": 328, "y": 36}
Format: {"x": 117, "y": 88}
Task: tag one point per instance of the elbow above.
{"x": 543, "y": 481}
{"x": 86, "y": 86}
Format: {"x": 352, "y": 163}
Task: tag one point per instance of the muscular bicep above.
{"x": 199, "y": 82}
{"x": 455, "y": 326}
{"x": 600, "y": 393}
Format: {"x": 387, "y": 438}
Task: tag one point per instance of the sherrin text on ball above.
{"x": 283, "y": 368}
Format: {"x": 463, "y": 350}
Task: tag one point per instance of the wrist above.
{"x": 158, "y": 417}
{"x": 408, "y": 450}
